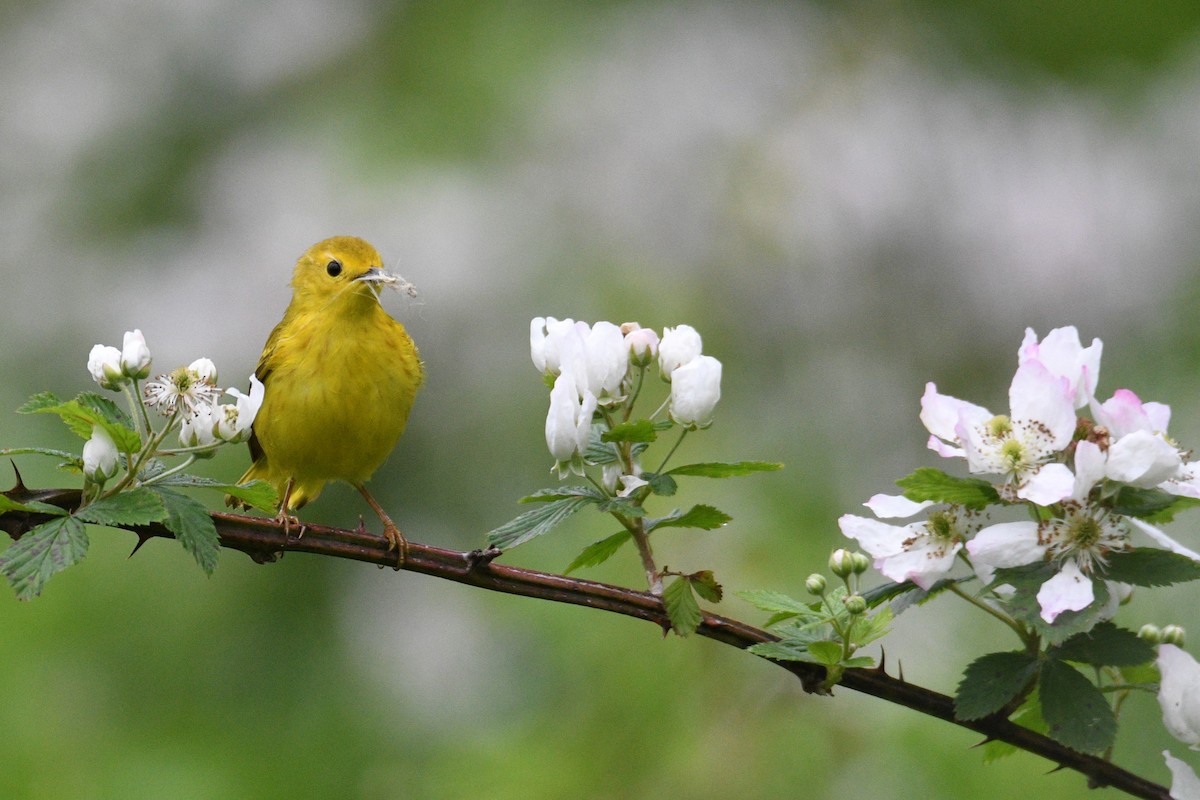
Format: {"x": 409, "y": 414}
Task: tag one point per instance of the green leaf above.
{"x": 782, "y": 651}
{"x": 698, "y": 516}
{"x": 1150, "y": 503}
{"x": 1075, "y": 710}
{"x": 599, "y": 552}
{"x": 705, "y": 585}
{"x": 1023, "y": 604}
{"x": 535, "y": 523}
{"x": 41, "y": 553}
{"x": 31, "y": 507}
{"x": 641, "y": 430}
{"x": 1105, "y": 645}
{"x": 992, "y": 681}
{"x": 84, "y": 412}
{"x": 778, "y": 603}
{"x": 598, "y": 451}
{"x": 867, "y": 629}
{"x": 1029, "y": 715}
{"x": 71, "y": 460}
{"x": 682, "y": 608}
{"x": 928, "y": 483}
{"x": 192, "y": 525}
{"x": 723, "y": 469}
{"x": 563, "y": 493}
{"x": 39, "y": 402}
{"x": 827, "y": 653}
{"x": 663, "y": 485}
{"x": 621, "y": 505}
{"x": 257, "y": 493}
{"x": 138, "y": 506}
{"x": 1149, "y": 566}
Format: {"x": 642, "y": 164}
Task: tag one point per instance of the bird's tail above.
{"x": 258, "y": 471}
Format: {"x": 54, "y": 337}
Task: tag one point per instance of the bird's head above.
{"x": 342, "y": 269}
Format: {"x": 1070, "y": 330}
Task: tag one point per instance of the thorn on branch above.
{"x": 20, "y": 487}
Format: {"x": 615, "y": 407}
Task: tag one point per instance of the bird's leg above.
{"x": 395, "y": 538}
{"x": 283, "y": 517}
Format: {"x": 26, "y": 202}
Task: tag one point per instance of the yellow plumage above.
{"x": 339, "y": 376}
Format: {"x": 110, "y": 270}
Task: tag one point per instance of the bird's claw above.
{"x": 397, "y": 542}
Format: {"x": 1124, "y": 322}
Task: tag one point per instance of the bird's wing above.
{"x": 266, "y": 364}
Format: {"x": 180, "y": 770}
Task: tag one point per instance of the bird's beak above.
{"x": 378, "y": 276}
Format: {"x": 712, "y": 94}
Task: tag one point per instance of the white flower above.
{"x": 642, "y": 343}
{"x": 100, "y": 456}
{"x": 1064, "y": 356}
{"x": 1179, "y": 694}
{"x": 549, "y": 338}
{"x": 135, "y": 355}
{"x": 695, "y": 390}
{"x": 1019, "y": 446}
{"x": 1184, "y": 783}
{"x": 629, "y": 484}
{"x": 199, "y": 427}
{"x": 607, "y": 360}
{"x": 921, "y": 552}
{"x": 104, "y": 362}
{"x": 568, "y": 424}
{"x": 678, "y": 346}
{"x": 234, "y": 421}
{"x": 192, "y": 386}
{"x": 1143, "y": 459}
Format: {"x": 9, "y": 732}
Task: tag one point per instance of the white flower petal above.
{"x": 940, "y": 413}
{"x": 923, "y": 565}
{"x": 1090, "y": 464}
{"x": 1038, "y": 395}
{"x": 877, "y": 538}
{"x": 1048, "y": 485}
{"x": 1160, "y": 537}
{"x": 1184, "y": 783}
{"x": 895, "y": 505}
{"x": 1069, "y": 590}
{"x": 1007, "y": 544}
{"x": 1179, "y": 693}
{"x": 1143, "y": 459}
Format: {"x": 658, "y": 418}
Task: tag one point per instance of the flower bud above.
{"x": 1150, "y": 633}
{"x": 841, "y": 563}
{"x": 100, "y": 456}
{"x": 815, "y": 584}
{"x": 204, "y": 370}
{"x": 860, "y": 562}
{"x": 135, "y": 356}
{"x": 695, "y": 390}
{"x": 678, "y": 346}
{"x": 1173, "y": 634}
{"x": 642, "y": 344}
{"x": 855, "y": 604}
{"x": 104, "y": 362}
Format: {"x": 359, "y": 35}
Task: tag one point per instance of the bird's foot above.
{"x": 396, "y": 541}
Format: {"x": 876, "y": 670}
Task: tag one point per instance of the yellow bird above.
{"x": 339, "y": 376}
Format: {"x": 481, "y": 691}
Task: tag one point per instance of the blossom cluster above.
{"x": 1044, "y": 455}
{"x": 187, "y": 396}
{"x": 594, "y": 368}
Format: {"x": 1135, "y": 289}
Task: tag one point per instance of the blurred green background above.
{"x": 846, "y": 199}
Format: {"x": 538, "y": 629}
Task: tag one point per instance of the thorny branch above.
{"x": 264, "y": 540}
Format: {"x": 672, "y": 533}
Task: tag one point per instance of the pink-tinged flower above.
{"x": 1064, "y": 356}
{"x": 1179, "y": 694}
{"x": 642, "y": 343}
{"x": 1018, "y": 446}
{"x": 922, "y": 551}
{"x": 1125, "y": 413}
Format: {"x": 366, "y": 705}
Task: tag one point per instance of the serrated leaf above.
{"x": 698, "y": 516}
{"x": 662, "y": 485}
{"x": 782, "y": 651}
{"x": 257, "y": 493}
{"x": 41, "y": 553}
{"x": 39, "y": 402}
{"x": 32, "y": 507}
{"x": 139, "y": 506}
{"x": 867, "y": 629}
{"x": 598, "y": 451}
{"x": 535, "y": 523}
{"x": 705, "y": 585}
{"x": 681, "y": 605}
{"x": 992, "y": 681}
{"x": 1168, "y": 513}
{"x": 86, "y": 411}
{"x": 928, "y": 483}
{"x": 641, "y": 430}
{"x": 777, "y": 603}
{"x": 725, "y": 469}
{"x": 1029, "y": 715}
{"x": 192, "y": 525}
{"x": 1105, "y": 645}
{"x": 71, "y": 459}
{"x": 599, "y": 552}
{"x": 1149, "y": 566}
{"x": 827, "y": 653}
{"x": 1132, "y": 501}
{"x": 563, "y": 493}
{"x": 1023, "y": 604}
{"x": 1075, "y": 711}
{"x": 621, "y": 505}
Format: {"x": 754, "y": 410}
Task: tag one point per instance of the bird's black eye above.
{"x": 334, "y": 268}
